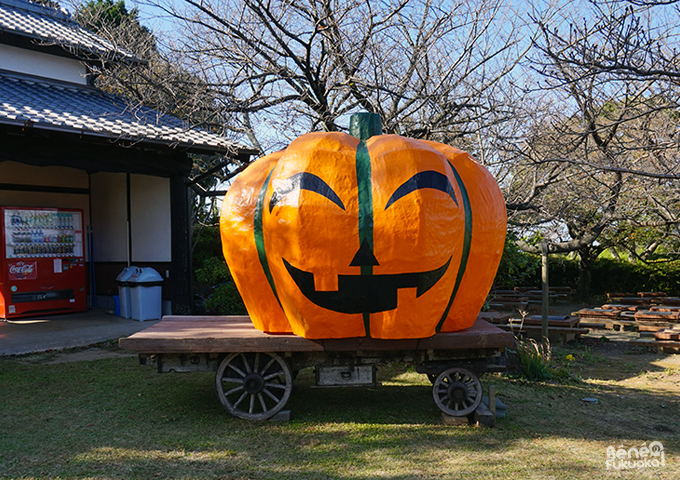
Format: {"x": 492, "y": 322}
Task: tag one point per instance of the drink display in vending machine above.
{"x": 43, "y": 264}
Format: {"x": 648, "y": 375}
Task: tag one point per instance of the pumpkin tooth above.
{"x": 326, "y": 282}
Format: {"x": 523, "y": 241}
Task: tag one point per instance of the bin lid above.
{"x": 145, "y": 276}
{"x": 125, "y": 275}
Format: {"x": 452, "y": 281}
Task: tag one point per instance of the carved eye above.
{"x": 426, "y": 179}
{"x": 304, "y": 181}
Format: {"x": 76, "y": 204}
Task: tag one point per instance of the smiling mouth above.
{"x": 365, "y": 293}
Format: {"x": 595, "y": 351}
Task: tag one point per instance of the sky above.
{"x": 153, "y": 17}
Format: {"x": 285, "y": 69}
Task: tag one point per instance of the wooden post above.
{"x": 182, "y": 274}
{"x": 545, "y": 283}
{"x": 128, "y": 225}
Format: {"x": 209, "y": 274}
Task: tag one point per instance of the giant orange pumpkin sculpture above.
{"x": 363, "y": 235}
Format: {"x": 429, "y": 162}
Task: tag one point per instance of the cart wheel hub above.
{"x": 253, "y": 383}
{"x": 457, "y": 392}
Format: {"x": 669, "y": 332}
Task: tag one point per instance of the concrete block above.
{"x": 484, "y": 417}
{"x": 501, "y": 409}
{"x": 454, "y": 421}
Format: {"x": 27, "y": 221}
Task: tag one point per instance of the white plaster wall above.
{"x": 109, "y": 216}
{"x": 42, "y": 65}
{"x": 151, "y": 235}
{"x": 150, "y": 208}
{"x": 16, "y": 173}
{"x": 150, "y": 218}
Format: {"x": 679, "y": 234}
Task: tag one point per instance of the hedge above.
{"x": 607, "y": 275}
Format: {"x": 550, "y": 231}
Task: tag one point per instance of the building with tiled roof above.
{"x": 49, "y": 27}
{"x": 70, "y": 108}
{"x": 66, "y": 144}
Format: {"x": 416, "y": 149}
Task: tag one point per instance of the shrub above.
{"x": 615, "y": 276}
{"x": 535, "y": 359}
{"x": 225, "y": 300}
{"x": 517, "y": 268}
{"x": 608, "y": 275}
{"x": 216, "y": 292}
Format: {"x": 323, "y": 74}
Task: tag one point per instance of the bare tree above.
{"x": 155, "y": 77}
{"x": 601, "y": 156}
{"x": 631, "y": 39}
{"x": 431, "y": 69}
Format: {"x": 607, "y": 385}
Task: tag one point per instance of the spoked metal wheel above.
{"x": 253, "y": 386}
{"x": 457, "y": 392}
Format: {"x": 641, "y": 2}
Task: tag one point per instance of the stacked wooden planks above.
{"x": 665, "y": 341}
{"x": 668, "y": 334}
{"x": 646, "y": 311}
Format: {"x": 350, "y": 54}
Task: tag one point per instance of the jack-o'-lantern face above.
{"x": 341, "y": 237}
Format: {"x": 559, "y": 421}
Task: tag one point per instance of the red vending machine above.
{"x": 43, "y": 265}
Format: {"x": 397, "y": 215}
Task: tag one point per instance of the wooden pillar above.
{"x": 182, "y": 271}
{"x": 545, "y": 290}
{"x": 128, "y": 222}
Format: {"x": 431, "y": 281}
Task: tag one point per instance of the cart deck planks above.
{"x": 222, "y": 334}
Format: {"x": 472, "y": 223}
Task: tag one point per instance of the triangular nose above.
{"x": 364, "y": 256}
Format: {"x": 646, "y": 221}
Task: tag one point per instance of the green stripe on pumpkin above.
{"x": 364, "y": 126}
{"x": 259, "y": 236}
{"x": 365, "y": 198}
{"x": 467, "y": 242}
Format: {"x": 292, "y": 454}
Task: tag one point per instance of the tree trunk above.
{"x": 585, "y": 263}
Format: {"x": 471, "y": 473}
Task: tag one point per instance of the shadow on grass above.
{"x": 115, "y": 419}
{"x": 601, "y": 359}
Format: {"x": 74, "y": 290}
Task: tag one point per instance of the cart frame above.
{"x": 255, "y": 370}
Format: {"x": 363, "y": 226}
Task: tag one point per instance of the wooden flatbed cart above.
{"x": 255, "y": 370}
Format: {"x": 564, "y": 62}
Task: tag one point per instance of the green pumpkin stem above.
{"x": 365, "y": 125}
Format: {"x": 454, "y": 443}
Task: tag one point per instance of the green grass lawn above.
{"x": 111, "y": 418}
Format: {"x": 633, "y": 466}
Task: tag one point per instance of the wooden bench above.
{"x": 553, "y": 321}
{"x": 619, "y": 325}
{"x": 564, "y": 334}
{"x": 495, "y": 317}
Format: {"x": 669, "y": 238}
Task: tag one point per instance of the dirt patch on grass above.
{"x": 604, "y": 356}
{"x": 90, "y": 353}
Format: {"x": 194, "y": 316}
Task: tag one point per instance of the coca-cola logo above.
{"x": 23, "y": 271}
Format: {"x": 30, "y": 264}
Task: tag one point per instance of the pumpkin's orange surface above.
{"x": 387, "y": 237}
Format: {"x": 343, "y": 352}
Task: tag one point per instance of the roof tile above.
{"x": 51, "y": 105}
{"x": 50, "y": 25}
